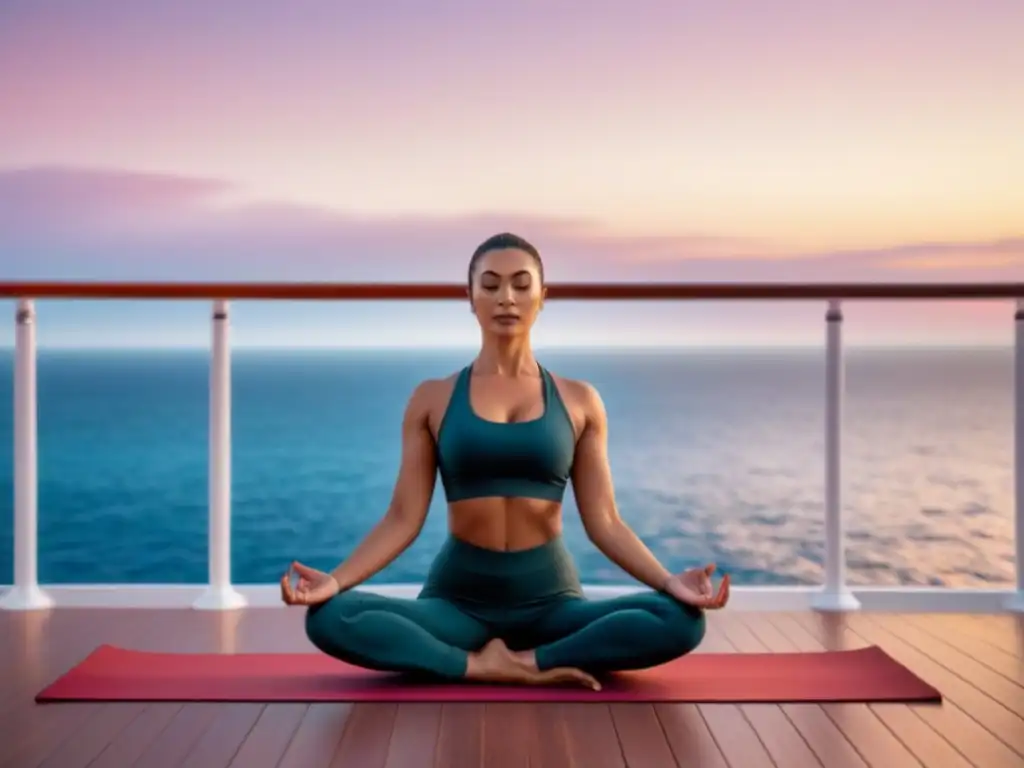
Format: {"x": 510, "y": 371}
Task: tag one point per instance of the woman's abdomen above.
{"x": 505, "y": 524}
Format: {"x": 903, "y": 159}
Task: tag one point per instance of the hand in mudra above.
{"x": 313, "y": 587}
{"x": 694, "y": 587}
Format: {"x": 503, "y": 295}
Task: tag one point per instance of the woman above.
{"x": 502, "y": 601}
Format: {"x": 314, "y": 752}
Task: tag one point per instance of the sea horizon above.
{"x": 716, "y": 456}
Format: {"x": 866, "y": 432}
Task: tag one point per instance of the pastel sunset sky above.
{"x": 774, "y": 140}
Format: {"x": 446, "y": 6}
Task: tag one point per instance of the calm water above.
{"x": 715, "y": 455}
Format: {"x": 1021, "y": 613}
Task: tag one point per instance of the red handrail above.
{"x": 579, "y": 291}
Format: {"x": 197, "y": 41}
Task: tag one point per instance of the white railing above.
{"x": 834, "y": 595}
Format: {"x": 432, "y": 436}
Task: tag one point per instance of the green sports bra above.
{"x": 528, "y": 459}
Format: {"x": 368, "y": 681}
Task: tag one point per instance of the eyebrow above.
{"x": 492, "y": 273}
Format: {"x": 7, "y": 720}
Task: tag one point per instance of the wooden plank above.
{"x": 460, "y": 739}
{"x": 782, "y": 740}
{"x": 270, "y": 736}
{"x": 1006, "y": 690}
{"x": 367, "y": 736}
{"x": 414, "y": 737}
{"x": 958, "y": 717}
{"x": 776, "y": 731}
{"x": 897, "y": 730}
{"x": 508, "y": 737}
{"x": 35, "y": 737}
{"x": 976, "y": 701}
{"x": 950, "y": 631}
{"x": 1004, "y": 632}
{"x": 736, "y": 738}
{"x": 46, "y": 644}
{"x": 164, "y": 733}
{"x": 173, "y": 744}
{"x": 641, "y": 736}
{"x": 591, "y": 737}
{"x": 552, "y": 736}
{"x": 52, "y": 642}
{"x": 689, "y": 737}
{"x": 316, "y": 740}
{"x": 219, "y": 743}
{"x": 976, "y": 663}
{"x": 827, "y": 741}
{"x": 86, "y": 744}
{"x": 128, "y": 746}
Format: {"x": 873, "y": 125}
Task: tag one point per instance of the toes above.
{"x": 570, "y": 675}
{"x": 591, "y": 682}
{"x": 586, "y": 680}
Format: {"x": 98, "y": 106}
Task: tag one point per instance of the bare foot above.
{"x": 496, "y": 663}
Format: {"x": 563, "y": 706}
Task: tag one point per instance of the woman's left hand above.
{"x": 314, "y": 586}
{"x": 694, "y": 587}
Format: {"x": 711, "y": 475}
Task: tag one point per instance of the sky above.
{"x": 765, "y": 140}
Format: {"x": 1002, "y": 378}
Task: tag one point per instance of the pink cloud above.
{"x": 93, "y": 224}
{"x": 963, "y": 258}
{"x": 65, "y": 202}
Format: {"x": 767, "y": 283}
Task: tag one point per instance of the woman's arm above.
{"x": 410, "y": 500}
{"x": 595, "y": 497}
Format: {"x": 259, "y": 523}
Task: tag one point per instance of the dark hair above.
{"x": 500, "y": 242}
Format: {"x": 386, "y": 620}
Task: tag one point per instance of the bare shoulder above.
{"x": 429, "y": 399}
{"x": 582, "y": 399}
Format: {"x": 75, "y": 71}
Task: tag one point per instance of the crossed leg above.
{"x": 623, "y": 633}
{"x": 426, "y": 635}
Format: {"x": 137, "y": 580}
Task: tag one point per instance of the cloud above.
{"x": 89, "y": 224}
{"x": 62, "y": 202}
{"x": 1001, "y": 254}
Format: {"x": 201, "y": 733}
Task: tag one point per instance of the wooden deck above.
{"x": 977, "y": 661}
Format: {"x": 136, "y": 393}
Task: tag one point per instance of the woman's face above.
{"x": 506, "y": 293}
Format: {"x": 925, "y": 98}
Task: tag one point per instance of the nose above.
{"x": 505, "y": 295}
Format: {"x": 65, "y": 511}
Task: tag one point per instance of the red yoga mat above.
{"x": 116, "y": 674}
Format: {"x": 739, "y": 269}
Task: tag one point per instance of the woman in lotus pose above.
{"x": 502, "y": 601}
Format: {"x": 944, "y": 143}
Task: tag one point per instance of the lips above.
{"x": 506, "y": 318}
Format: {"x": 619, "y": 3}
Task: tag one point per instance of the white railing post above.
{"x": 220, "y": 595}
{"x": 26, "y": 594}
{"x": 835, "y": 596}
{"x": 1016, "y": 601}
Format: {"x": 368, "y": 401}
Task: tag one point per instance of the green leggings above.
{"x": 531, "y": 599}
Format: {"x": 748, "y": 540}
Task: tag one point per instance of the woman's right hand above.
{"x": 313, "y": 587}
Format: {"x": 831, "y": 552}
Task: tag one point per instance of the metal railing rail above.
{"x": 221, "y": 594}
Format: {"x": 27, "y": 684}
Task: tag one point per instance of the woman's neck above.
{"x": 506, "y": 357}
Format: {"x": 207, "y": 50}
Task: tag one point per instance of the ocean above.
{"x": 716, "y": 455}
